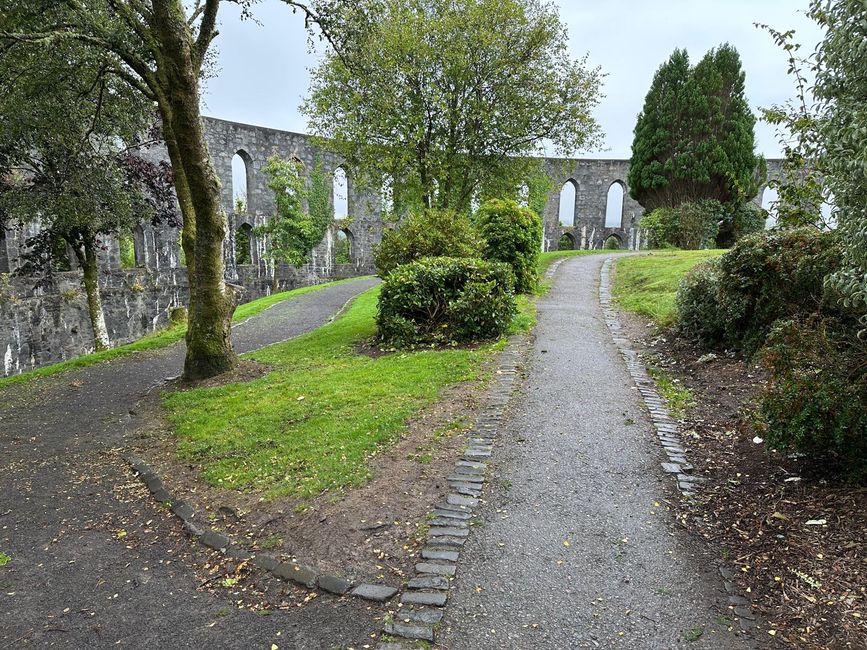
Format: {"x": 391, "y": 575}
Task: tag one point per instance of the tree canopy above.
{"x": 442, "y": 96}
{"x": 694, "y": 138}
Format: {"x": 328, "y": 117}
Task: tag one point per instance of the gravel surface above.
{"x": 95, "y": 563}
{"x": 577, "y": 548}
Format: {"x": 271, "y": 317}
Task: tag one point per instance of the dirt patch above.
{"x": 796, "y": 543}
{"x": 371, "y": 533}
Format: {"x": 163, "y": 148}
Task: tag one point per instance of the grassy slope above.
{"x": 315, "y": 419}
{"x": 647, "y": 284}
{"x": 158, "y": 339}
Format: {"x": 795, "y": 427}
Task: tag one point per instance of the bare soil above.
{"x": 796, "y": 542}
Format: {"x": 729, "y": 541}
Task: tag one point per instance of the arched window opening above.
{"x": 342, "y": 247}
{"x": 769, "y": 204}
{"x": 126, "y": 246}
{"x": 613, "y": 243}
{"x": 386, "y": 195}
{"x": 138, "y": 243}
{"x": 614, "y": 206}
{"x": 567, "y": 242}
{"x": 568, "y": 194}
{"x": 524, "y": 195}
{"x": 241, "y": 181}
{"x": 341, "y": 194}
{"x": 5, "y": 266}
{"x": 244, "y": 244}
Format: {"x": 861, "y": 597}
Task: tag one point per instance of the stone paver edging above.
{"x": 299, "y": 574}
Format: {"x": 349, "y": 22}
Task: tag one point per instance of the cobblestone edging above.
{"x": 300, "y": 574}
{"x": 667, "y": 429}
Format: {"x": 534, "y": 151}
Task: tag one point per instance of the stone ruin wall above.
{"x": 43, "y": 326}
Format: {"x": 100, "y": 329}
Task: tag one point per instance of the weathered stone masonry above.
{"x": 43, "y": 326}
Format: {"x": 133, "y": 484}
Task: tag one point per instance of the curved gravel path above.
{"x": 94, "y": 562}
{"x": 576, "y": 548}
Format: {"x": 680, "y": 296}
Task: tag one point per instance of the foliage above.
{"x": 737, "y": 221}
{"x": 427, "y": 233}
{"x": 698, "y": 313}
{"x": 766, "y": 277}
{"x": 512, "y": 235}
{"x": 342, "y": 248}
{"x": 449, "y": 97}
{"x": 840, "y": 88}
{"x": 690, "y": 225}
{"x": 566, "y": 243}
{"x": 291, "y": 231}
{"x": 319, "y": 198}
{"x": 259, "y": 436}
{"x": 611, "y": 244}
{"x": 647, "y": 284}
{"x": 694, "y": 138}
{"x": 814, "y": 401}
{"x": 444, "y": 301}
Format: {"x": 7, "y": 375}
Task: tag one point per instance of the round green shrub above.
{"x": 764, "y": 278}
{"x": 431, "y": 233}
{"x": 690, "y": 226}
{"x": 815, "y": 399}
{"x": 445, "y": 301}
{"x": 513, "y": 235}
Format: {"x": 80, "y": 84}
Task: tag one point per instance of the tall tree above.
{"x": 159, "y": 48}
{"x": 442, "y": 96}
{"x": 694, "y": 138}
{"x": 66, "y": 130}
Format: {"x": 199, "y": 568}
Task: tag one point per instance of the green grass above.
{"x": 155, "y": 340}
{"x": 316, "y": 419}
{"x": 4, "y": 559}
{"x": 647, "y": 284}
{"x": 678, "y": 398}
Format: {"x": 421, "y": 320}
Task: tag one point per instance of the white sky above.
{"x": 263, "y": 68}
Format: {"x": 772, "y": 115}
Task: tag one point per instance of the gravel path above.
{"x": 576, "y": 548}
{"x": 95, "y": 563}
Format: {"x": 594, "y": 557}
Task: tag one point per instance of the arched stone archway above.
{"x": 614, "y": 204}
{"x": 568, "y": 199}
{"x": 242, "y": 182}
{"x": 343, "y": 247}
{"x": 340, "y": 193}
{"x": 566, "y": 242}
{"x": 244, "y": 244}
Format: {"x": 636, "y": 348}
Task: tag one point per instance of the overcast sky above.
{"x": 263, "y": 69}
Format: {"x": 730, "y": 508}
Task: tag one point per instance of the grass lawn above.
{"x": 158, "y": 339}
{"x": 647, "y": 284}
{"x": 313, "y": 422}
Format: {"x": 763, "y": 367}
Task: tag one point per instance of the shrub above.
{"x": 431, "y": 233}
{"x": 513, "y": 235}
{"x": 815, "y": 400}
{"x": 698, "y": 315}
{"x": 445, "y": 300}
{"x": 689, "y": 226}
{"x": 765, "y": 277}
{"x": 738, "y": 221}
{"x": 611, "y": 244}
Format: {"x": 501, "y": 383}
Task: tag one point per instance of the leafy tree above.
{"x": 841, "y": 90}
{"x": 512, "y": 235}
{"x": 160, "y": 49}
{"x": 444, "y": 96}
{"x": 66, "y": 129}
{"x": 694, "y": 138}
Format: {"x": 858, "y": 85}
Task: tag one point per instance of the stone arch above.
{"x": 614, "y": 204}
{"x": 770, "y": 196}
{"x": 5, "y": 266}
{"x": 242, "y": 181}
{"x": 244, "y": 244}
{"x": 613, "y": 242}
{"x": 567, "y": 242}
{"x": 340, "y": 193}
{"x": 567, "y": 203}
{"x": 344, "y": 248}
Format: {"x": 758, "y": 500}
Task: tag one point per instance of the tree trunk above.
{"x": 90, "y": 266}
{"x": 212, "y": 302}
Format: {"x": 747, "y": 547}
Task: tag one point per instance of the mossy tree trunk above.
{"x": 85, "y": 253}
